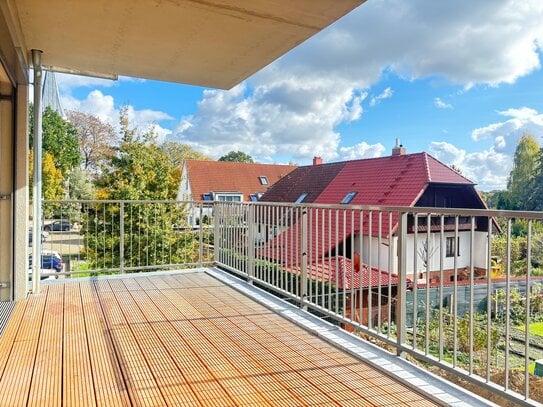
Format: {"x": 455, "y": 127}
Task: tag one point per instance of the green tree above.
{"x": 238, "y": 157}
{"x": 522, "y": 174}
{"x": 95, "y": 137}
{"x": 535, "y": 196}
{"x": 138, "y": 170}
{"x": 178, "y": 152}
{"x": 59, "y": 139}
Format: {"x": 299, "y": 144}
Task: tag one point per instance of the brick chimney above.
{"x": 399, "y": 149}
{"x": 317, "y": 160}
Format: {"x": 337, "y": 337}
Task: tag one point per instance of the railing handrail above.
{"x": 533, "y": 215}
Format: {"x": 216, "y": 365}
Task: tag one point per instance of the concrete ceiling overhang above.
{"x": 213, "y": 43}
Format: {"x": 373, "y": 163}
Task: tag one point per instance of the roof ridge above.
{"x": 427, "y": 167}
{"x": 369, "y": 159}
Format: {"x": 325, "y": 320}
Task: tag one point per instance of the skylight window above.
{"x": 263, "y": 180}
{"x": 348, "y": 198}
{"x": 301, "y": 198}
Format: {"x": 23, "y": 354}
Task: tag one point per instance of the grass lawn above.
{"x": 536, "y": 328}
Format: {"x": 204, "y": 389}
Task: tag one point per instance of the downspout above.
{"x": 37, "y": 187}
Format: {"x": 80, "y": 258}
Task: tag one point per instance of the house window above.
{"x": 228, "y": 197}
{"x": 301, "y": 198}
{"x": 254, "y": 197}
{"x": 207, "y": 197}
{"x": 263, "y": 180}
{"x": 348, "y": 198}
{"x": 451, "y": 247}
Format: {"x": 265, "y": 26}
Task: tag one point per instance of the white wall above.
{"x": 463, "y": 260}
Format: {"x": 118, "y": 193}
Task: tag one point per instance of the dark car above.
{"x": 58, "y": 225}
{"x": 48, "y": 262}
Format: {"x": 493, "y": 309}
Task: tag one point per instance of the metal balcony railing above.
{"x": 459, "y": 289}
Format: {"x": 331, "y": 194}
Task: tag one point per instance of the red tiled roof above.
{"x": 222, "y": 176}
{"x": 339, "y": 271}
{"x": 398, "y": 180}
{"x": 311, "y": 179}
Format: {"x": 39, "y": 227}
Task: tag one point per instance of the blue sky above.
{"x": 461, "y": 80}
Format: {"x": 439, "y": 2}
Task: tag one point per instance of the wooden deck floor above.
{"x": 174, "y": 340}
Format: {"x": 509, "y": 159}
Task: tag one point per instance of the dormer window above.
{"x": 348, "y": 198}
{"x": 254, "y": 197}
{"x": 263, "y": 180}
{"x": 208, "y": 197}
{"x": 301, "y": 198}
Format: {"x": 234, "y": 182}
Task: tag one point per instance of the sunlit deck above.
{"x": 176, "y": 339}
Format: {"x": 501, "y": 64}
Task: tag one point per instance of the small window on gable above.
{"x": 254, "y": 197}
{"x": 301, "y": 198}
{"x": 263, "y": 180}
{"x": 207, "y": 197}
{"x": 348, "y": 198}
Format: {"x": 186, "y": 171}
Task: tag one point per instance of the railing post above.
{"x": 201, "y": 236}
{"x": 216, "y": 235}
{"x": 121, "y": 237}
{"x": 250, "y": 243}
{"x": 303, "y": 260}
{"x": 402, "y": 283}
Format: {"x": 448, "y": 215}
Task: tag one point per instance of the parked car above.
{"x": 58, "y": 225}
{"x": 44, "y": 236}
{"x": 50, "y": 262}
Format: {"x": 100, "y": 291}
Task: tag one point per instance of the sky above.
{"x": 461, "y": 80}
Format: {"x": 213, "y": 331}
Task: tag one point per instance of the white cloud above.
{"x": 295, "y": 105}
{"x": 361, "y": 150}
{"x": 440, "y": 104}
{"x": 507, "y": 133}
{"x": 488, "y": 168}
{"x": 387, "y": 93}
{"x": 282, "y": 115}
{"x": 103, "y": 106}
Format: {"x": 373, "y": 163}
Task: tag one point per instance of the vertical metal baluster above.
{"x": 201, "y": 236}
{"x": 104, "y": 237}
{"x": 471, "y": 292}
{"x": 336, "y": 270}
{"x": 121, "y": 236}
{"x": 379, "y": 244}
{"x": 441, "y": 275}
{"x": 402, "y": 283}
{"x": 361, "y": 269}
{"x": 370, "y": 267}
{"x": 389, "y": 269}
{"x": 507, "y": 303}
{"x": 455, "y": 293}
{"x": 344, "y": 271}
{"x": 323, "y": 265}
{"x": 329, "y": 260}
{"x": 489, "y": 300}
{"x": 310, "y": 241}
{"x": 251, "y": 243}
{"x": 415, "y": 278}
{"x": 428, "y": 248}
{"x": 303, "y": 258}
{"x": 352, "y": 313}
{"x": 528, "y": 312}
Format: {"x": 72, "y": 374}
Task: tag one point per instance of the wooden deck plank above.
{"x": 10, "y": 332}
{"x": 109, "y": 385}
{"x": 141, "y": 384}
{"x": 17, "y": 377}
{"x": 46, "y": 387}
{"x": 78, "y": 386}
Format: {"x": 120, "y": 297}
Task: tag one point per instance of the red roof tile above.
{"x": 339, "y": 271}
{"x": 222, "y": 176}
